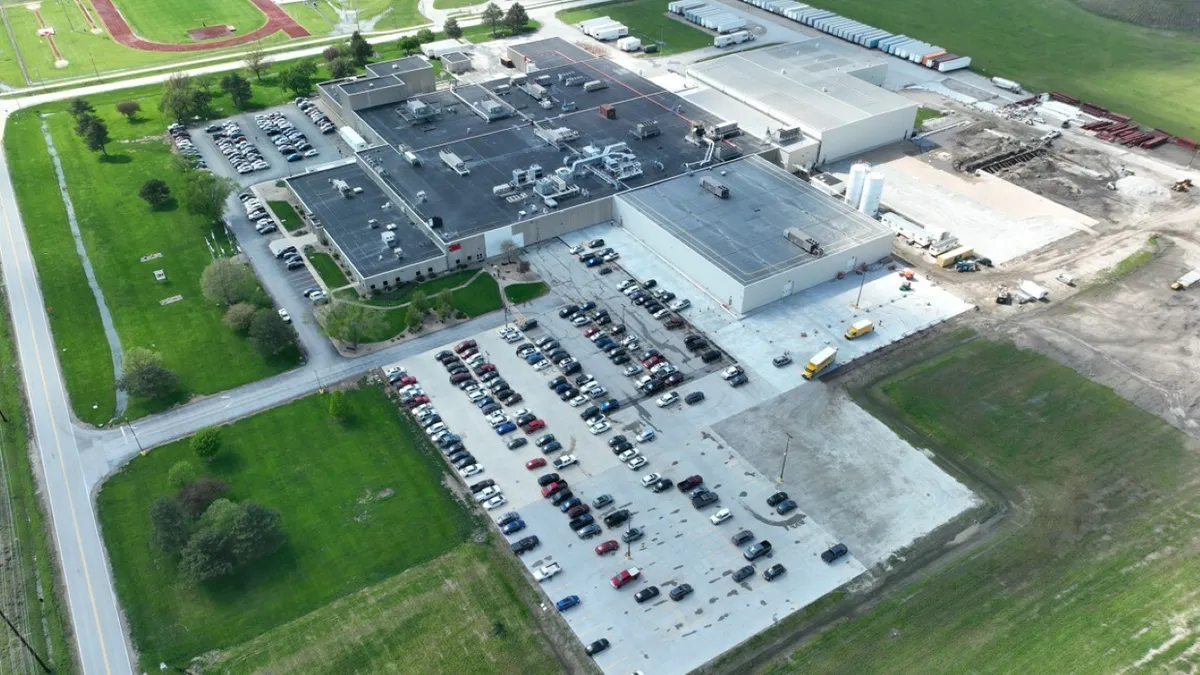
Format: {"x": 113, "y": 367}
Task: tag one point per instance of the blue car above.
{"x": 567, "y": 603}
{"x": 484, "y": 402}
{"x": 295, "y": 157}
{"x": 605, "y": 343}
{"x": 514, "y": 526}
{"x": 506, "y": 428}
{"x": 534, "y": 358}
{"x": 610, "y": 405}
{"x": 561, "y": 387}
{"x": 592, "y": 262}
{"x": 587, "y": 306}
{"x": 552, "y": 446}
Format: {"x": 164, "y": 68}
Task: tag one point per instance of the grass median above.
{"x": 328, "y": 268}
{"x": 361, "y": 501}
{"x": 286, "y": 213}
{"x": 1097, "y": 553}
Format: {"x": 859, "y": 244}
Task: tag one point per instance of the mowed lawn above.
{"x": 170, "y": 20}
{"x": 648, "y": 20}
{"x": 480, "y": 296}
{"x": 118, "y": 229}
{"x": 344, "y": 532}
{"x": 1098, "y": 564}
{"x": 1055, "y": 45}
{"x": 286, "y": 213}
{"x": 330, "y": 273}
{"x": 455, "y": 614}
{"x": 518, "y": 293}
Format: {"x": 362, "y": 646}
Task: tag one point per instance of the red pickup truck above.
{"x": 625, "y": 576}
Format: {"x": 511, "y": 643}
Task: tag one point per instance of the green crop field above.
{"x": 170, "y": 20}
{"x": 1056, "y": 45}
{"x": 1096, "y": 567}
{"x": 418, "y": 622}
{"x": 646, "y": 19}
{"x": 361, "y": 501}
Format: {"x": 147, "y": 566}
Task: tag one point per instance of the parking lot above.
{"x": 680, "y": 545}
{"x": 330, "y": 147}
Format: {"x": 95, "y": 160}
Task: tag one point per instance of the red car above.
{"x": 406, "y": 380}
{"x": 464, "y": 346}
{"x": 417, "y": 400}
{"x": 553, "y": 487}
{"x": 652, "y": 361}
{"x": 609, "y": 546}
{"x": 469, "y": 352}
{"x": 534, "y": 426}
{"x": 625, "y": 576}
{"x": 536, "y": 463}
{"x": 485, "y": 368}
{"x": 591, "y": 331}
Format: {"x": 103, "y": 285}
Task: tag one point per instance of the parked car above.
{"x": 785, "y": 507}
{"x": 610, "y": 546}
{"x": 694, "y": 398}
{"x": 757, "y": 550}
{"x": 776, "y": 498}
{"x": 596, "y": 647}
{"x": 567, "y": 603}
{"x": 681, "y": 591}
{"x": 527, "y": 544}
{"x": 836, "y": 551}
{"x": 648, "y": 593}
{"x": 602, "y": 501}
{"x": 774, "y": 572}
{"x": 743, "y": 573}
{"x": 535, "y": 463}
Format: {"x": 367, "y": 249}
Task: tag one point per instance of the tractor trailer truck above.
{"x": 820, "y": 361}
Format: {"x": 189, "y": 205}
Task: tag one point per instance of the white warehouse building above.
{"x": 837, "y": 100}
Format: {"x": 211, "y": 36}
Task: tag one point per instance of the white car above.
{"x": 395, "y": 371}
{"x": 424, "y": 409}
{"x": 681, "y": 304}
{"x": 541, "y": 365}
{"x": 513, "y": 337}
{"x": 565, "y": 461}
{"x": 475, "y": 395}
{"x": 650, "y": 479}
{"x": 667, "y": 399}
{"x": 638, "y": 462}
{"x": 632, "y": 370}
{"x": 576, "y": 250}
{"x": 433, "y": 430}
{"x": 476, "y": 360}
{"x": 626, "y": 284}
{"x": 495, "y": 502}
{"x": 730, "y": 372}
{"x": 522, "y": 411}
{"x": 497, "y": 418}
{"x": 661, "y": 313}
{"x": 486, "y": 493}
{"x": 589, "y": 385}
{"x": 505, "y": 330}
{"x": 659, "y": 367}
{"x": 629, "y": 454}
{"x": 597, "y": 392}
{"x": 471, "y": 386}
{"x": 720, "y": 516}
{"x": 578, "y": 401}
{"x": 470, "y": 470}
{"x": 581, "y": 320}
{"x": 629, "y": 339}
{"x": 646, "y": 435}
{"x": 600, "y": 428}
{"x": 283, "y": 314}
{"x": 584, "y": 379}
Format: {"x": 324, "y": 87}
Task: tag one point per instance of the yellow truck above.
{"x": 859, "y": 329}
{"x": 819, "y": 362}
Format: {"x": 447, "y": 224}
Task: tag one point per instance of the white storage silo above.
{"x": 854, "y": 184}
{"x": 872, "y": 193}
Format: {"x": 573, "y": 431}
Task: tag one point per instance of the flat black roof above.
{"x": 743, "y": 234}
{"x": 346, "y": 220}
{"x": 399, "y": 66}
{"x": 371, "y": 83}
{"x": 551, "y": 52}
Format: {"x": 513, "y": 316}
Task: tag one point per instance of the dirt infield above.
{"x": 277, "y": 20}
{"x": 209, "y": 33}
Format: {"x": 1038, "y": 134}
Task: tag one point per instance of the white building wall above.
{"x": 723, "y": 288}
{"x": 816, "y": 272}
{"x": 858, "y": 137}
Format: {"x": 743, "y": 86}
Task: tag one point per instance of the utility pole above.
{"x": 135, "y": 438}
{"x": 860, "y": 288}
{"x": 22, "y": 639}
{"x": 628, "y": 540}
{"x": 786, "y": 446}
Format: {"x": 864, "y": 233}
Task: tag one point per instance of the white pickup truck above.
{"x": 546, "y": 571}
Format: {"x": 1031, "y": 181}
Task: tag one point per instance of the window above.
{"x": 385, "y": 282}
{"x": 431, "y": 269}
{"x": 458, "y": 261}
{"x": 398, "y": 280}
{"x": 372, "y": 286}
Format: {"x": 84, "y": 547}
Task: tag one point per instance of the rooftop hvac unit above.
{"x": 787, "y": 134}
{"x": 714, "y": 186}
{"x": 452, "y": 161}
{"x": 389, "y": 239}
{"x": 804, "y": 241}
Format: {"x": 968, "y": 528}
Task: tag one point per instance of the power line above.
{"x": 22, "y": 639}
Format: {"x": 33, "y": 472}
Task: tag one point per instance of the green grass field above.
{"x": 924, "y": 114}
{"x": 416, "y": 623}
{"x": 287, "y": 215}
{"x": 343, "y": 534}
{"x": 646, "y": 19}
{"x": 1055, "y": 45}
{"x": 480, "y": 296}
{"x": 455, "y": 4}
{"x": 318, "y": 20}
{"x": 518, "y": 293}
{"x": 429, "y": 288}
{"x": 330, "y": 273}
{"x": 1096, "y": 567}
{"x": 10, "y": 67}
{"x": 169, "y": 20}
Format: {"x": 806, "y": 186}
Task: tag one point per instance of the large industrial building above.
{"x": 458, "y": 175}
{"x": 835, "y": 99}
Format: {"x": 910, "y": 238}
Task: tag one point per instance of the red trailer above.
{"x": 1065, "y": 98}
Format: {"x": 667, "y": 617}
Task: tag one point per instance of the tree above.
{"x": 492, "y": 15}
{"x": 238, "y": 88}
{"x": 351, "y": 323}
{"x": 414, "y": 318}
{"x": 452, "y": 29}
{"x": 419, "y": 300}
{"x": 205, "y": 193}
{"x": 269, "y": 333}
{"x": 410, "y": 44}
{"x": 182, "y": 98}
{"x": 208, "y": 556}
{"x": 144, "y": 375}
{"x": 361, "y": 51}
{"x": 182, "y": 473}
{"x": 129, "y": 109}
{"x": 169, "y": 524}
{"x": 155, "y": 192}
{"x": 80, "y": 107}
{"x": 206, "y": 443}
{"x": 220, "y": 515}
{"x": 444, "y": 305}
{"x": 339, "y": 408}
{"x": 256, "y": 532}
{"x": 195, "y": 497}
{"x": 225, "y": 282}
{"x": 257, "y": 61}
{"x": 341, "y": 67}
{"x": 516, "y": 18}
{"x": 239, "y": 315}
{"x": 298, "y": 78}
{"x": 330, "y": 53}
{"x": 96, "y": 136}
{"x": 425, "y": 36}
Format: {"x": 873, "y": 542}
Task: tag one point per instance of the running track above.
{"x": 277, "y": 20}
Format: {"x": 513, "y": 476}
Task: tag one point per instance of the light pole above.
{"x": 786, "y": 446}
{"x": 860, "y": 288}
{"x": 628, "y": 540}
{"x": 135, "y": 438}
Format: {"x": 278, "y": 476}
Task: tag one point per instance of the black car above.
{"x": 555, "y": 382}
{"x": 561, "y": 496}
{"x": 622, "y": 447}
{"x": 681, "y": 591}
{"x": 662, "y": 484}
{"x": 710, "y": 356}
{"x": 464, "y": 462}
{"x": 568, "y": 311}
{"x": 617, "y": 517}
{"x": 490, "y": 408}
{"x": 527, "y": 324}
{"x": 694, "y": 398}
{"x": 588, "y": 414}
{"x": 525, "y": 418}
{"x": 654, "y": 386}
{"x": 774, "y": 572}
{"x": 617, "y": 329}
{"x": 443, "y": 355}
{"x": 550, "y": 346}
{"x": 551, "y": 447}
{"x": 603, "y": 319}
{"x": 517, "y": 442}
{"x": 836, "y": 551}
{"x": 568, "y": 394}
{"x": 652, "y": 306}
{"x": 786, "y": 506}
{"x": 650, "y": 283}
{"x": 547, "y": 479}
{"x": 757, "y": 551}
{"x": 583, "y": 379}
{"x": 696, "y": 346}
{"x": 581, "y": 522}
{"x": 595, "y": 243}
{"x": 648, "y": 593}
{"x": 453, "y": 448}
{"x": 744, "y": 573}
{"x": 601, "y": 644}
{"x": 476, "y": 487}
{"x": 687, "y": 484}
{"x": 455, "y": 456}
{"x": 674, "y": 378}
{"x": 510, "y": 397}
{"x": 544, "y": 440}
{"x": 503, "y": 392}
{"x": 742, "y": 537}
{"x": 527, "y": 544}
{"x": 617, "y": 440}
{"x": 488, "y": 377}
{"x": 705, "y": 499}
{"x": 738, "y": 380}
{"x": 776, "y": 498}
{"x": 572, "y": 368}
{"x": 457, "y": 369}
